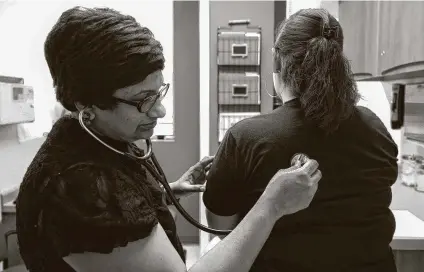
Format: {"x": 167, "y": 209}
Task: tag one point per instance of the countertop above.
{"x": 9, "y": 207}
{"x": 409, "y": 233}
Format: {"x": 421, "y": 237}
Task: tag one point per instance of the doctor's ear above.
{"x": 88, "y": 113}
{"x": 80, "y": 106}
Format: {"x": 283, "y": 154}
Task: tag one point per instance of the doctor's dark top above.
{"x": 348, "y": 226}
{"x": 79, "y": 196}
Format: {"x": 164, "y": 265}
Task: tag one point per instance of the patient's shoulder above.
{"x": 259, "y": 129}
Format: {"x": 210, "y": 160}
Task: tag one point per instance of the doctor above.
{"x": 87, "y": 201}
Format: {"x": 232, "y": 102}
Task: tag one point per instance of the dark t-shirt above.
{"x": 348, "y": 226}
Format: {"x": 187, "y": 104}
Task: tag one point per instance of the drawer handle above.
{"x": 240, "y": 90}
{"x": 239, "y": 50}
{"x": 239, "y": 22}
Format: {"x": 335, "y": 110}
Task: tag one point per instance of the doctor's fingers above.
{"x": 315, "y": 178}
{"x": 206, "y": 161}
{"x": 305, "y": 179}
{"x": 196, "y": 188}
{"x": 310, "y": 167}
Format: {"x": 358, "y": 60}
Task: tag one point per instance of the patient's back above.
{"x": 349, "y": 225}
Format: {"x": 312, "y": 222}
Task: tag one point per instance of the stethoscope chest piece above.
{"x": 299, "y": 159}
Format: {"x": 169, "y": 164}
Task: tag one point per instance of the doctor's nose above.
{"x": 157, "y": 111}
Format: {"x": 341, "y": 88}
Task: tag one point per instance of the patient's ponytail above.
{"x": 314, "y": 68}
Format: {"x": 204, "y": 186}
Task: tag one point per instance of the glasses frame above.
{"x": 139, "y": 104}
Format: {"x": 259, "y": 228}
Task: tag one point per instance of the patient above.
{"x": 348, "y": 226}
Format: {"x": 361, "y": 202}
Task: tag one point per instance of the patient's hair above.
{"x": 92, "y": 52}
{"x": 309, "y": 46}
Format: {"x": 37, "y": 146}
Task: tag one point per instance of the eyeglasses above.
{"x": 146, "y": 104}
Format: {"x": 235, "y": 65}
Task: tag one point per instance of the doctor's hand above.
{"x": 291, "y": 190}
{"x": 193, "y": 181}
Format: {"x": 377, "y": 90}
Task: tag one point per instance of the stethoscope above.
{"x": 158, "y": 173}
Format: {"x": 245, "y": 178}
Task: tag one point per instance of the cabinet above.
{"x": 359, "y": 20}
{"x": 408, "y": 241}
{"x": 409, "y": 260}
{"x": 239, "y": 73}
{"x": 401, "y": 39}
{"x": 383, "y": 37}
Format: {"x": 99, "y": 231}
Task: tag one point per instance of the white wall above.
{"x": 24, "y": 26}
{"x": 295, "y": 5}
{"x": 374, "y": 98}
{"x": 332, "y": 6}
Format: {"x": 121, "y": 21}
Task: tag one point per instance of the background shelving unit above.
{"x": 238, "y": 73}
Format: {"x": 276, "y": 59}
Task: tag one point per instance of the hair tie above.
{"x": 330, "y": 32}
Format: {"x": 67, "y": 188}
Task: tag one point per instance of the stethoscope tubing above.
{"x": 157, "y": 172}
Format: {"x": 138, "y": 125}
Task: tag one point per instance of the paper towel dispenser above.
{"x": 16, "y": 103}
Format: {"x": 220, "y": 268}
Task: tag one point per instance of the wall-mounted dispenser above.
{"x": 16, "y": 103}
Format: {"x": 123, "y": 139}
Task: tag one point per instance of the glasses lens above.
{"x": 148, "y": 103}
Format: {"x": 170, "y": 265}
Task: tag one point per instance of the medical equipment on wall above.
{"x": 238, "y": 73}
{"x": 16, "y": 103}
{"x": 150, "y": 162}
